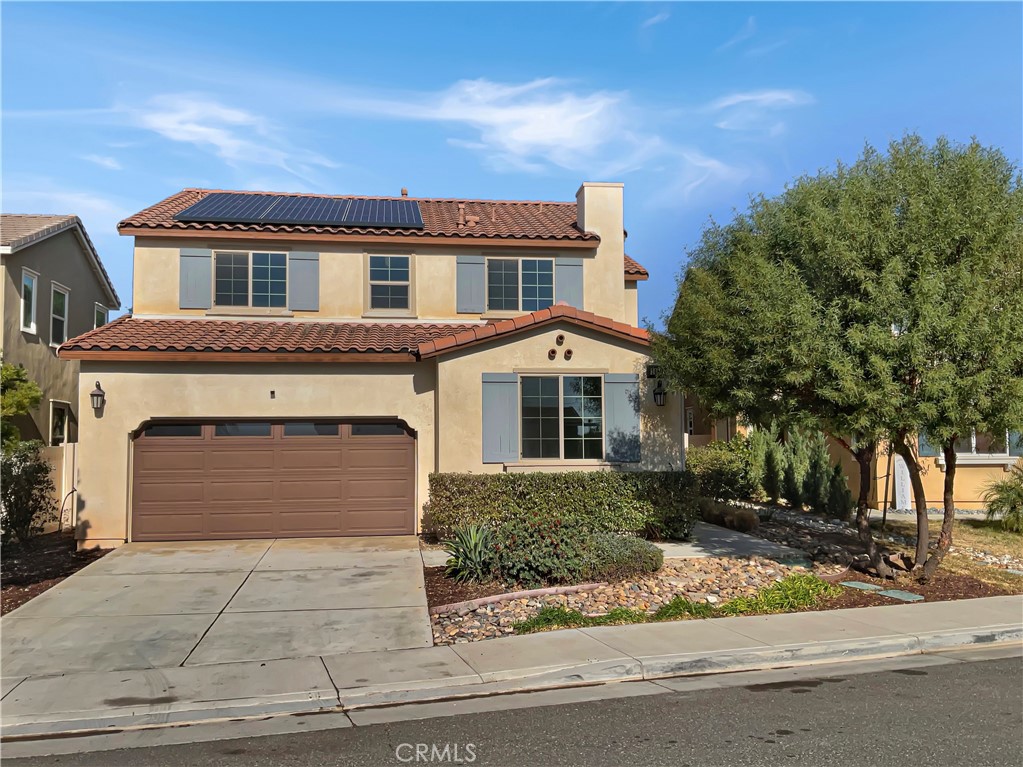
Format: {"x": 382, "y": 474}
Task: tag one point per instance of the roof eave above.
{"x": 138, "y": 355}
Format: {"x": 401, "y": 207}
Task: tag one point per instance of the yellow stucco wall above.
{"x": 632, "y": 303}
{"x": 57, "y": 259}
{"x": 140, "y": 391}
{"x": 460, "y": 399}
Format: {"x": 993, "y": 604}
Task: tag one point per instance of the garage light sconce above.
{"x": 660, "y": 394}
{"x": 98, "y": 397}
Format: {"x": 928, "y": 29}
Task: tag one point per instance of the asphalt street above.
{"x": 897, "y": 713}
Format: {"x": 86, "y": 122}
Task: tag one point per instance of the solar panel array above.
{"x": 227, "y": 207}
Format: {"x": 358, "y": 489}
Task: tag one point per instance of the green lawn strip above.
{"x": 792, "y": 593}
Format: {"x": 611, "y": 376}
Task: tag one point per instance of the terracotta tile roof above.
{"x": 497, "y": 219}
{"x": 128, "y": 334}
{"x": 18, "y": 230}
{"x": 634, "y": 270}
{"x": 559, "y": 312}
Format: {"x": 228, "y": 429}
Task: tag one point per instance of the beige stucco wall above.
{"x": 343, "y": 270}
{"x": 60, "y": 259}
{"x": 460, "y": 398}
{"x": 139, "y": 391}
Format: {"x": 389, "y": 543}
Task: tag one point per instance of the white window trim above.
{"x": 222, "y": 309}
{"x": 56, "y": 287}
{"x": 973, "y": 458}
{"x": 368, "y": 310}
{"x": 106, "y": 315}
{"x": 67, "y": 421}
{"x": 34, "y": 276}
{"x": 561, "y": 421}
{"x": 486, "y": 283}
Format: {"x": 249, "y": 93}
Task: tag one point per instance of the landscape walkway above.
{"x": 40, "y": 706}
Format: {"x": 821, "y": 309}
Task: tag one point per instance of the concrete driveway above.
{"x": 156, "y": 605}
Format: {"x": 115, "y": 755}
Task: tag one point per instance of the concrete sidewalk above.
{"x": 45, "y": 705}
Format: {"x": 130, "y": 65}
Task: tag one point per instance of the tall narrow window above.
{"x": 541, "y": 424}
{"x": 232, "y": 277}
{"x": 389, "y": 282}
{"x": 583, "y": 412}
{"x": 58, "y": 315}
{"x": 29, "y": 283}
{"x": 58, "y": 423}
{"x": 101, "y": 316}
{"x": 502, "y": 284}
{"x": 269, "y": 279}
{"x": 537, "y": 284}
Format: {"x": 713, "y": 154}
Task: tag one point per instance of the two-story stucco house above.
{"x": 54, "y": 288}
{"x": 298, "y": 365}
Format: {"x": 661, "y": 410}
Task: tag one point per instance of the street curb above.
{"x": 397, "y": 694}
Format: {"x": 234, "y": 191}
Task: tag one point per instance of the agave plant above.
{"x": 471, "y": 550}
{"x": 1004, "y": 498}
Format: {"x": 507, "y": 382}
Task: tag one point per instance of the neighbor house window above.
{"x": 251, "y": 279}
{"x": 562, "y": 417}
{"x": 389, "y": 282}
{"x": 978, "y": 443}
{"x": 690, "y": 421}
{"x": 101, "y": 315}
{"x": 515, "y": 284}
{"x": 58, "y": 314}
{"x": 29, "y": 283}
{"x": 58, "y": 423}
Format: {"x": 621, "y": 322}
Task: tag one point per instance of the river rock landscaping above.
{"x": 711, "y": 580}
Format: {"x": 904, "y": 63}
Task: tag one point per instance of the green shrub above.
{"x": 617, "y": 557}
{"x": 539, "y": 548}
{"x": 1004, "y": 498}
{"x": 722, "y": 469}
{"x": 773, "y": 471}
{"x": 840, "y": 500}
{"x": 724, "y": 515}
{"x": 26, "y": 492}
{"x": 791, "y": 486}
{"x": 471, "y": 551}
{"x": 818, "y": 475}
{"x": 562, "y": 618}
{"x": 645, "y": 502}
{"x": 680, "y": 607}
{"x": 791, "y": 593}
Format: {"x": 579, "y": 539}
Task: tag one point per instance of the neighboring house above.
{"x": 54, "y": 288}
{"x": 298, "y": 365}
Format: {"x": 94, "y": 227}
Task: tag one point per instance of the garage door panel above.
{"x": 243, "y": 459}
{"x": 284, "y": 485}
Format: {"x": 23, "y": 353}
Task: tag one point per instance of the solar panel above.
{"x": 397, "y": 213}
{"x": 223, "y": 207}
{"x": 234, "y": 208}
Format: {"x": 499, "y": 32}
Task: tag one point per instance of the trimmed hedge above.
{"x": 647, "y": 503}
{"x": 723, "y": 469}
{"x": 617, "y": 557}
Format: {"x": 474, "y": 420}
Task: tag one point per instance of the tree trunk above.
{"x": 948, "y": 501}
{"x": 903, "y": 449}
{"x": 864, "y": 455}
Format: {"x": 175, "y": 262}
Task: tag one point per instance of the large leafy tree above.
{"x": 19, "y": 396}
{"x": 832, "y": 304}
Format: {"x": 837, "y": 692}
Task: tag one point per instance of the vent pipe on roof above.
{"x": 461, "y": 215}
{"x": 404, "y": 191}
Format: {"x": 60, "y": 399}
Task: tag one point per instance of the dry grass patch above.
{"x": 978, "y": 534}
{"x": 995, "y": 576}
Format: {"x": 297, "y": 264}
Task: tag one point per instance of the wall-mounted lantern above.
{"x": 660, "y": 394}
{"x": 98, "y": 397}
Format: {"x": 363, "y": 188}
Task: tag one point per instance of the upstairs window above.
{"x": 29, "y": 283}
{"x": 101, "y": 316}
{"x": 251, "y": 279}
{"x": 389, "y": 282}
{"x": 58, "y": 314}
{"x": 515, "y": 284}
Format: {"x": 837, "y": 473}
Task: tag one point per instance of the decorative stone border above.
{"x": 464, "y": 608}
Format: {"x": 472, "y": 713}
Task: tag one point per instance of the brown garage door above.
{"x": 259, "y": 479}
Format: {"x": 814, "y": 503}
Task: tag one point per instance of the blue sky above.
{"x": 108, "y": 108}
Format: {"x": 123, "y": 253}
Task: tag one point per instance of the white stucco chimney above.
{"x": 600, "y": 208}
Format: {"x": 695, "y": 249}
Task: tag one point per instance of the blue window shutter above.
{"x": 195, "y": 288}
{"x": 500, "y": 417}
{"x": 621, "y": 417}
{"x": 304, "y": 281}
{"x": 471, "y": 280}
{"x": 568, "y": 281}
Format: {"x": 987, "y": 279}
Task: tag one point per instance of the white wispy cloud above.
{"x": 745, "y": 33}
{"x": 655, "y": 20}
{"x": 756, "y": 111}
{"x": 237, "y": 136}
{"x": 104, "y": 161}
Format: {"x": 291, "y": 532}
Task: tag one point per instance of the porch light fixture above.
{"x": 98, "y": 397}
{"x": 660, "y": 395}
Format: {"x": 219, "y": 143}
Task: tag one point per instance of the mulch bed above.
{"x": 445, "y": 591}
{"x": 26, "y": 571}
{"x": 944, "y": 586}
